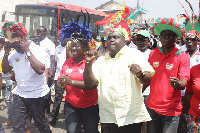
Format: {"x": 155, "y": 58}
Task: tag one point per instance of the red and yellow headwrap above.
{"x": 121, "y": 21}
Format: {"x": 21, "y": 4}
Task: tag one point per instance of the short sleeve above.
{"x": 56, "y": 53}
{"x": 142, "y": 62}
{"x": 39, "y": 54}
{"x": 184, "y": 67}
{"x": 190, "y": 82}
{"x": 52, "y": 48}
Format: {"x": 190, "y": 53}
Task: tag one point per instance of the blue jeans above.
{"x": 8, "y": 97}
{"x": 161, "y": 123}
{"x": 36, "y": 106}
{"x": 75, "y": 117}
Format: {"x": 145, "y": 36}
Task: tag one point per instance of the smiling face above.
{"x": 41, "y": 33}
{"x": 115, "y": 43}
{"x": 77, "y": 49}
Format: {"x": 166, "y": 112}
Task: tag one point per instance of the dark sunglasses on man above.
{"x": 39, "y": 31}
{"x": 191, "y": 39}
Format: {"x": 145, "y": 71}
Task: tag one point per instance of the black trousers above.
{"x": 113, "y": 128}
{"x": 58, "y": 99}
{"x": 36, "y": 107}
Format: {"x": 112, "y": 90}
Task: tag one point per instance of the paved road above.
{"x": 59, "y": 128}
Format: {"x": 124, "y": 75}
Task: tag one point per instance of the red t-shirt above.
{"x": 163, "y": 99}
{"x": 77, "y": 97}
{"x": 194, "y": 87}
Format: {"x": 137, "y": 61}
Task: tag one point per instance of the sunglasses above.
{"x": 39, "y": 31}
{"x": 192, "y": 39}
{"x": 142, "y": 40}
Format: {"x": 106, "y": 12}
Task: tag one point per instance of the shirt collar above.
{"x": 72, "y": 61}
{"x": 194, "y": 53}
{"x": 121, "y": 52}
{"x": 175, "y": 50}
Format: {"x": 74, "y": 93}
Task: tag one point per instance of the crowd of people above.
{"x": 149, "y": 85}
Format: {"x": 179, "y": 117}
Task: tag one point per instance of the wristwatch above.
{"x": 28, "y": 54}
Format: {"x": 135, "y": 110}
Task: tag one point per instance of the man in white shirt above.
{"x": 31, "y": 93}
{"x": 142, "y": 41}
{"x": 49, "y": 47}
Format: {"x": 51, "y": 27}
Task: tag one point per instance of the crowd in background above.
{"x": 131, "y": 80}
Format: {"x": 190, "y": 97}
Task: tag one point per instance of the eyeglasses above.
{"x": 192, "y": 39}
{"x": 141, "y": 39}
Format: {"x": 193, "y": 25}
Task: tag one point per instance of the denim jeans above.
{"x": 113, "y": 128}
{"x": 76, "y": 117}
{"x": 161, "y": 123}
{"x": 36, "y": 106}
{"x": 58, "y": 99}
{"x": 8, "y": 97}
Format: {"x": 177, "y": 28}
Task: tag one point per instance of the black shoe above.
{"x": 52, "y": 121}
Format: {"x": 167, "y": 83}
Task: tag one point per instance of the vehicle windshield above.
{"x": 32, "y": 22}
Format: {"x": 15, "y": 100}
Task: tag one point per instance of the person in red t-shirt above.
{"x": 191, "y": 104}
{"x": 81, "y": 107}
{"x": 172, "y": 71}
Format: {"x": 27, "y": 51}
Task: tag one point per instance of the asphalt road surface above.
{"x": 58, "y": 128}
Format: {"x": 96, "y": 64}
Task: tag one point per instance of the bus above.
{"x": 53, "y": 15}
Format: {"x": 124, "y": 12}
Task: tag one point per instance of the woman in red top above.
{"x": 191, "y": 105}
{"x": 81, "y": 106}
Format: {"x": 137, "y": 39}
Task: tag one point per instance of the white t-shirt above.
{"x": 29, "y": 83}
{"x": 195, "y": 59}
{"x": 60, "y": 57}
{"x": 146, "y": 55}
{"x": 49, "y": 47}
